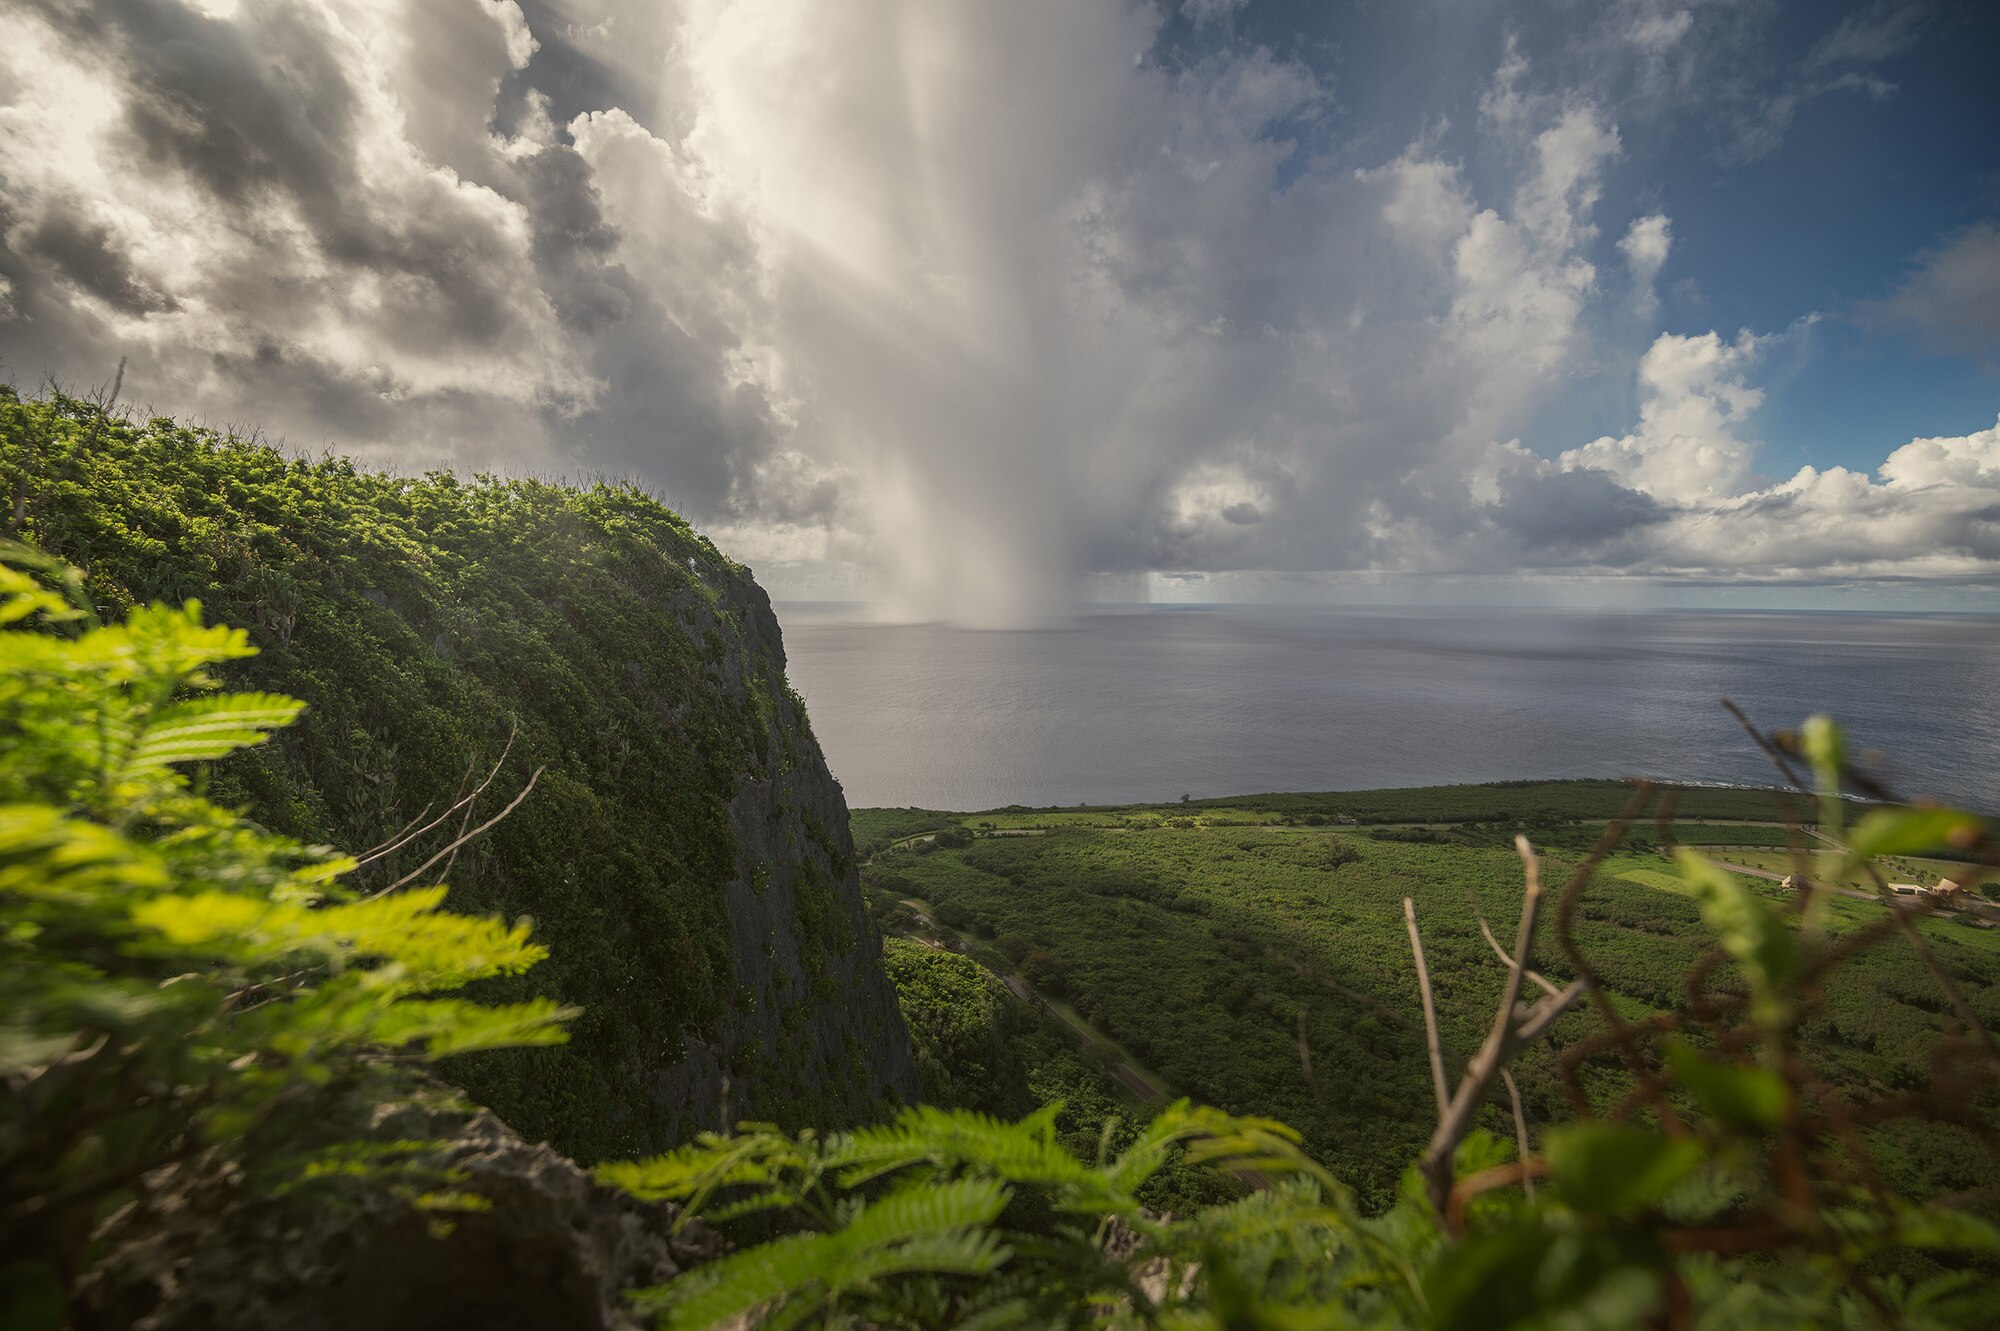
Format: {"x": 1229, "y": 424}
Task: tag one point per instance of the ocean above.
{"x": 1152, "y": 704}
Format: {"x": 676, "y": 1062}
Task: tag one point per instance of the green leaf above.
{"x": 204, "y": 729}
{"x": 25, "y": 1050}
{"x": 1754, "y": 935}
{"x": 1911, "y": 831}
{"x": 1742, "y": 1097}
{"x": 924, "y": 1227}
{"x": 1826, "y": 750}
{"x": 1529, "y": 1274}
{"x": 1616, "y": 1168}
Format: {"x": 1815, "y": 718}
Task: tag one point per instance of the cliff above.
{"x": 684, "y": 850}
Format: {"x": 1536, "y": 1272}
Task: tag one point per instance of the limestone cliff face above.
{"x": 684, "y": 852}
{"x": 815, "y": 1034}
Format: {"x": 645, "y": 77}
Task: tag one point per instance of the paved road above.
{"x": 1771, "y": 877}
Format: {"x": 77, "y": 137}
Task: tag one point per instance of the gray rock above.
{"x": 552, "y": 1251}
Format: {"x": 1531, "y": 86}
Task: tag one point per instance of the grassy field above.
{"x": 1262, "y": 965}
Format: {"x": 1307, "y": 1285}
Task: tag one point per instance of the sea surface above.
{"x": 1152, "y": 704}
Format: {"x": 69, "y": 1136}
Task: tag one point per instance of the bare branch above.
{"x": 1524, "y": 937}
{"x": 1430, "y": 1008}
{"x": 463, "y": 802}
{"x": 1512, "y": 1031}
{"x": 1545, "y": 1013}
{"x": 1540, "y": 980}
{"x": 456, "y": 842}
{"x": 1566, "y": 904}
{"x": 1520, "y": 1128}
{"x": 1771, "y": 751}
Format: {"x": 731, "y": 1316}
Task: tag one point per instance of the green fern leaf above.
{"x": 204, "y": 729}
{"x": 920, "y": 1228}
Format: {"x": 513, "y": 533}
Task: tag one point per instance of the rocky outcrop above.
{"x": 815, "y": 1033}
{"x": 547, "y": 1249}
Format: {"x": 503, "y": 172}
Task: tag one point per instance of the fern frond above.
{"x": 927, "y": 1208}
{"x": 456, "y": 1026}
{"x": 922, "y": 1228}
{"x": 1224, "y": 1141}
{"x": 204, "y": 729}
{"x": 693, "y": 1173}
{"x": 46, "y": 855}
{"x": 1026, "y": 1152}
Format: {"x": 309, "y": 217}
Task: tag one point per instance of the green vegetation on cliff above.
{"x": 1715, "y": 1162}
{"x": 431, "y": 624}
{"x": 175, "y": 982}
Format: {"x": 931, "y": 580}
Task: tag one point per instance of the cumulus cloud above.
{"x": 984, "y": 297}
{"x": 1645, "y": 245}
{"x": 1931, "y": 511}
{"x": 1694, "y": 401}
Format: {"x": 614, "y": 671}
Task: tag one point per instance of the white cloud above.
{"x": 1931, "y": 515}
{"x": 1693, "y": 403}
{"x": 1655, "y": 33}
{"x": 1971, "y": 460}
{"x": 1645, "y": 245}
{"x": 984, "y": 296}
{"x": 521, "y": 44}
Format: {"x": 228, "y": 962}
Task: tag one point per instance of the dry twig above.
{"x": 1430, "y": 1008}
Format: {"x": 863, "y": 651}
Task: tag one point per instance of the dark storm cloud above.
{"x": 86, "y": 255}
{"x": 1570, "y": 509}
{"x": 573, "y": 244}
{"x": 242, "y": 109}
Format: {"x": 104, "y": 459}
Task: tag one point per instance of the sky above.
{"x": 977, "y": 308}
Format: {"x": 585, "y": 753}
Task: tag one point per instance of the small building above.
{"x": 1791, "y": 882}
{"x": 1909, "y": 890}
{"x": 1948, "y": 887}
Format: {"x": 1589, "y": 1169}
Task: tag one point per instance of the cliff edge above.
{"x": 684, "y": 851}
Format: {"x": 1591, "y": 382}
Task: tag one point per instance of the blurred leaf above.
{"x": 1530, "y": 1274}
{"x": 1911, "y": 831}
{"x": 1614, "y": 1168}
{"x": 1826, "y": 749}
{"x": 1754, "y": 934}
{"x": 23, "y": 1050}
{"x": 1742, "y": 1097}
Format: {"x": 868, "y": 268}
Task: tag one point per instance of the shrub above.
{"x": 174, "y": 980}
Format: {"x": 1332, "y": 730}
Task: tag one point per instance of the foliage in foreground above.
{"x": 1724, "y": 1185}
{"x": 174, "y": 980}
